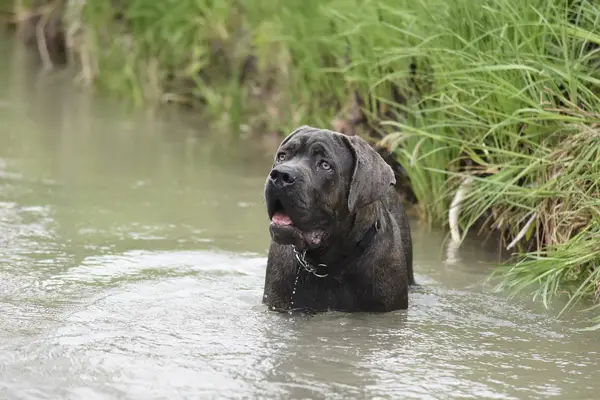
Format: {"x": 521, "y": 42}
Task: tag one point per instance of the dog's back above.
{"x": 395, "y": 206}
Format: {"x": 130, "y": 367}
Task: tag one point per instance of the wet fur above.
{"x": 345, "y": 209}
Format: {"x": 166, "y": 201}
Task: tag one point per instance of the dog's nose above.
{"x": 282, "y": 176}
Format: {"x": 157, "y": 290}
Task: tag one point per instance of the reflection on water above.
{"x": 132, "y": 254}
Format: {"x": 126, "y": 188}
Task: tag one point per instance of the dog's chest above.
{"x": 310, "y": 292}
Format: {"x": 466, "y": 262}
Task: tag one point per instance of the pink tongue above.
{"x": 281, "y": 219}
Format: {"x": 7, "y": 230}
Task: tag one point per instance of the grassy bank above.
{"x": 495, "y": 100}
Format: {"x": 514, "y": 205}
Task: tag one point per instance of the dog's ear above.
{"x": 371, "y": 177}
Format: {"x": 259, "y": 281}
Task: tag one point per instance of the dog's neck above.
{"x": 360, "y": 228}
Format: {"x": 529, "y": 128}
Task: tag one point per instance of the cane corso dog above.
{"x": 340, "y": 235}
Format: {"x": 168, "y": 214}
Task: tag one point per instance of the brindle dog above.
{"x": 340, "y": 235}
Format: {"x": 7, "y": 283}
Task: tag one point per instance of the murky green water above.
{"x": 132, "y": 254}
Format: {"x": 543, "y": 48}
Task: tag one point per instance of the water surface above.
{"x": 132, "y": 256}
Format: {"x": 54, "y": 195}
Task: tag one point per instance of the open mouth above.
{"x": 280, "y": 216}
{"x": 284, "y": 231}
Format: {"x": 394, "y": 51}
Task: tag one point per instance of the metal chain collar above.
{"x": 304, "y": 263}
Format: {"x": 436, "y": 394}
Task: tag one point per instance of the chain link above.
{"x": 304, "y": 263}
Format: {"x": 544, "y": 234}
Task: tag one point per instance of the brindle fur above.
{"x": 332, "y": 211}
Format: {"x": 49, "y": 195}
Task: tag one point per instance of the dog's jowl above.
{"x": 340, "y": 235}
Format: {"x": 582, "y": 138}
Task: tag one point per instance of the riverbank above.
{"x": 492, "y": 106}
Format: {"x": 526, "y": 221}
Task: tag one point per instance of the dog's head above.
{"x": 320, "y": 178}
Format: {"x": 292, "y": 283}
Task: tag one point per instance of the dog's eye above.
{"x": 281, "y": 157}
{"x": 325, "y": 165}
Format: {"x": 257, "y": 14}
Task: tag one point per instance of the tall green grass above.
{"x": 503, "y": 91}
{"x": 198, "y": 52}
{"x": 512, "y": 87}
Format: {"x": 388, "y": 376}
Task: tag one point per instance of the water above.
{"x": 132, "y": 256}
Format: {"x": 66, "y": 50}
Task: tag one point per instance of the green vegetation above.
{"x": 503, "y": 91}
